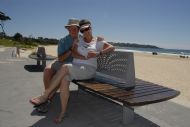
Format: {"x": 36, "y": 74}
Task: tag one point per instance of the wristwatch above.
{"x": 101, "y": 53}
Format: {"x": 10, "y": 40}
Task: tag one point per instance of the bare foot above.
{"x": 59, "y": 118}
{"x": 38, "y": 100}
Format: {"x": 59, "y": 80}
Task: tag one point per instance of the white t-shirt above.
{"x": 84, "y": 48}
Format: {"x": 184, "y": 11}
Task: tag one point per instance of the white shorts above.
{"x": 80, "y": 72}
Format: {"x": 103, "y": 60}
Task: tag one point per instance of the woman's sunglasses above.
{"x": 86, "y": 29}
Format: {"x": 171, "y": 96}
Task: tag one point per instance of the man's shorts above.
{"x": 80, "y": 72}
{"x": 57, "y": 64}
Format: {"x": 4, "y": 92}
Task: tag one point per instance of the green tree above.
{"x": 17, "y": 36}
{"x": 3, "y": 18}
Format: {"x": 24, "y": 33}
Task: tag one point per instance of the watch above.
{"x": 101, "y": 53}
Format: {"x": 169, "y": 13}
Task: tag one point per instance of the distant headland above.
{"x": 134, "y": 45}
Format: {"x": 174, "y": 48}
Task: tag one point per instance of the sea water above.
{"x": 176, "y": 52}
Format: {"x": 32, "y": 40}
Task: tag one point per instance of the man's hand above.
{"x": 92, "y": 54}
{"x": 64, "y": 56}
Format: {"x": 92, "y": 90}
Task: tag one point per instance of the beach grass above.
{"x": 12, "y": 43}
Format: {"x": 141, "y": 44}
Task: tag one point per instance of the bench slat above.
{"x": 136, "y": 89}
{"x": 124, "y": 95}
{"x": 154, "y": 98}
{"x": 144, "y": 93}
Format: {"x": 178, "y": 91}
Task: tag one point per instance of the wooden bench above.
{"x": 116, "y": 81}
{"x": 41, "y": 56}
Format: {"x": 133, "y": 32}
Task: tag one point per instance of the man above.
{"x": 64, "y": 56}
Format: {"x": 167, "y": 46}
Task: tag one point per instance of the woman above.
{"x": 83, "y": 68}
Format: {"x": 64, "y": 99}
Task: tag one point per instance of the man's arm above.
{"x": 75, "y": 53}
{"x": 64, "y": 56}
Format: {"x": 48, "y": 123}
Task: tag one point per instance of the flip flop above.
{"x": 43, "y": 108}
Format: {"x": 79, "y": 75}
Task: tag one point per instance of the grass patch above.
{"x": 12, "y": 43}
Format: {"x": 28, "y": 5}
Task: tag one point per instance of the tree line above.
{"x": 31, "y": 40}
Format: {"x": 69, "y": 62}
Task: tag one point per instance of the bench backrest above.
{"x": 41, "y": 52}
{"x": 118, "y": 65}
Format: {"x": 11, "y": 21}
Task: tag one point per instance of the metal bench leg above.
{"x": 38, "y": 62}
{"x": 128, "y": 114}
{"x": 43, "y": 63}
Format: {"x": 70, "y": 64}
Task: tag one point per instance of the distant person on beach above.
{"x": 16, "y": 52}
{"x": 81, "y": 68}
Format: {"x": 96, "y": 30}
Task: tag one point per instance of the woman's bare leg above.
{"x": 64, "y": 96}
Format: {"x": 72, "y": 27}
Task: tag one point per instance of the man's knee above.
{"x": 64, "y": 68}
{"x": 48, "y": 71}
{"x": 49, "y": 66}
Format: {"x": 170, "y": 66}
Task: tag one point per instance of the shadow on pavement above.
{"x": 34, "y": 68}
{"x": 85, "y": 110}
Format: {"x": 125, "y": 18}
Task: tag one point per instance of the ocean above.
{"x": 159, "y": 51}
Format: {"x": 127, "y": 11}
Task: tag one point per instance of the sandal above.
{"x": 37, "y": 101}
{"x": 43, "y": 108}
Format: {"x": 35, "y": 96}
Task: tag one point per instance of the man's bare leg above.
{"x": 56, "y": 80}
{"x": 54, "y": 83}
{"x": 47, "y": 76}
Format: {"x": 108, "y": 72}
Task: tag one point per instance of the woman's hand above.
{"x": 92, "y": 54}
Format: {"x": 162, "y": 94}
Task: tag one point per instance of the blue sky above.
{"x": 164, "y": 23}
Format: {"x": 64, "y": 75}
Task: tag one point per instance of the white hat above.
{"x": 72, "y": 22}
{"x": 84, "y": 26}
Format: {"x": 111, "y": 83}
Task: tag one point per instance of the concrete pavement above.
{"x": 17, "y": 85}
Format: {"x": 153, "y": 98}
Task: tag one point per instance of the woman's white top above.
{"x": 84, "y": 48}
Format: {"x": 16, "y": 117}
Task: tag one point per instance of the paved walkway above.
{"x": 17, "y": 85}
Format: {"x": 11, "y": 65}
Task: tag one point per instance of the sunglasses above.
{"x": 86, "y": 29}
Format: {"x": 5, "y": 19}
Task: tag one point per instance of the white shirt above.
{"x": 84, "y": 48}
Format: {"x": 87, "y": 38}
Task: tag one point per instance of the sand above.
{"x": 169, "y": 71}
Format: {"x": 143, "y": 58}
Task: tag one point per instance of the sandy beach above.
{"x": 169, "y": 71}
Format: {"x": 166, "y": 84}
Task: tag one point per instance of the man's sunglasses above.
{"x": 86, "y": 29}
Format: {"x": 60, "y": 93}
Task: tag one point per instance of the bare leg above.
{"x": 55, "y": 82}
{"x": 47, "y": 76}
{"x": 64, "y": 96}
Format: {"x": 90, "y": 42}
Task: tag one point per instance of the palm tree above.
{"x": 3, "y": 18}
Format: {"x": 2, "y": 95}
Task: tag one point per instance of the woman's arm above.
{"x": 107, "y": 48}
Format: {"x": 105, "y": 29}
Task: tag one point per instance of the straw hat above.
{"x": 72, "y": 22}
